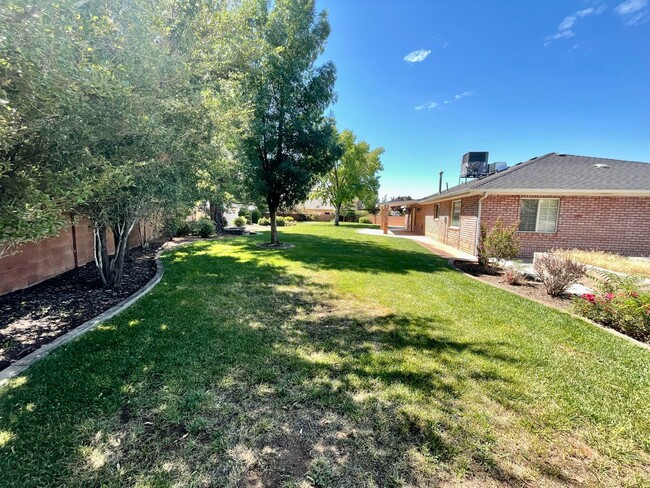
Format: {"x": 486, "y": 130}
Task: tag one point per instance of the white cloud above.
{"x": 417, "y": 56}
{"x": 633, "y": 11}
{"x": 428, "y": 105}
{"x": 466, "y": 94}
{"x": 565, "y": 29}
{"x": 455, "y": 98}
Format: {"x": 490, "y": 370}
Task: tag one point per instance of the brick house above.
{"x": 558, "y": 201}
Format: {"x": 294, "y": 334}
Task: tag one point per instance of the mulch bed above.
{"x": 530, "y": 289}
{"x": 37, "y": 315}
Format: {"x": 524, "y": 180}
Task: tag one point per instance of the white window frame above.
{"x": 537, "y": 224}
{"x": 460, "y": 213}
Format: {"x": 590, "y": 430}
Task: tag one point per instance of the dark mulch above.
{"x": 529, "y": 289}
{"x": 35, "y": 316}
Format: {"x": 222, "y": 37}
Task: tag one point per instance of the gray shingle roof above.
{"x": 562, "y": 172}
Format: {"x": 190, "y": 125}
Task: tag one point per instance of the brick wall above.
{"x": 614, "y": 224}
{"x": 38, "y": 261}
{"x": 393, "y": 220}
{"x": 462, "y": 237}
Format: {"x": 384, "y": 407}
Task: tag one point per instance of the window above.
{"x": 455, "y": 214}
{"x": 436, "y": 211}
{"x": 539, "y": 214}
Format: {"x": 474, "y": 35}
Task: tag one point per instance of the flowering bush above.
{"x": 618, "y": 303}
{"x": 514, "y": 276}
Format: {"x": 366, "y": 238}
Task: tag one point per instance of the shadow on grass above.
{"x": 234, "y": 372}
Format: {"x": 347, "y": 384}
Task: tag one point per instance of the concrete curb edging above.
{"x": 22, "y": 364}
{"x": 640, "y": 344}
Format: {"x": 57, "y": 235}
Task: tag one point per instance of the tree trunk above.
{"x": 111, "y": 268}
{"x": 216, "y": 213}
{"x": 337, "y": 214}
{"x": 274, "y": 228}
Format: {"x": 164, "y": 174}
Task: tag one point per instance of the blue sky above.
{"x": 430, "y": 80}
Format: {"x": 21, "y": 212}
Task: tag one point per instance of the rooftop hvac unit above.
{"x": 474, "y": 165}
{"x": 496, "y": 167}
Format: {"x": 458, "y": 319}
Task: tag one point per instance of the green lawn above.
{"x": 350, "y": 360}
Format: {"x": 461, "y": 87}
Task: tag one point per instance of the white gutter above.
{"x": 478, "y": 222}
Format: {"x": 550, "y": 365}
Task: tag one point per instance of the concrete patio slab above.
{"x": 435, "y": 247}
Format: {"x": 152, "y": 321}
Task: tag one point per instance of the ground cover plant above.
{"x": 348, "y": 360}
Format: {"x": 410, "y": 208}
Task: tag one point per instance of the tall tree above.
{"x": 290, "y": 141}
{"x": 107, "y": 117}
{"x": 353, "y": 177}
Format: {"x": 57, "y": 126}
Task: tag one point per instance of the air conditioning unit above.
{"x": 474, "y": 165}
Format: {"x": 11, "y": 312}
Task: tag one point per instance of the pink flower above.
{"x": 590, "y": 297}
{"x": 609, "y": 296}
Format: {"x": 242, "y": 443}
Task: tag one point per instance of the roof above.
{"x": 560, "y": 173}
{"x": 315, "y": 204}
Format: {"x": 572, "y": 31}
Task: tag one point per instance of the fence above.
{"x": 38, "y": 261}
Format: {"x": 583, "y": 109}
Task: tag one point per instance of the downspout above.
{"x": 478, "y": 222}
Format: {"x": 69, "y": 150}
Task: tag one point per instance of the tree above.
{"x": 353, "y": 177}
{"x": 289, "y": 142}
{"x": 108, "y": 121}
{"x": 42, "y": 169}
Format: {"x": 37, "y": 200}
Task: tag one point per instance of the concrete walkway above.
{"x": 435, "y": 247}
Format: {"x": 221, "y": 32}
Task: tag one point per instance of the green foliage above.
{"x": 240, "y": 221}
{"x": 497, "y": 244}
{"x": 558, "y": 271}
{"x": 264, "y": 221}
{"x": 365, "y": 220}
{"x": 353, "y": 176}
{"x": 619, "y": 302}
{"x": 255, "y": 215}
{"x": 205, "y": 227}
{"x": 280, "y": 221}
{"x": 289, "y": 218}
{"x": 289, "y": 142}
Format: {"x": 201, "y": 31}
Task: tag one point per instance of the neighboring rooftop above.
{"x": 563, "y": 172}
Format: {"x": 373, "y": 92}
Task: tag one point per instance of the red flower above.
{"x": 590, "y": 297}
{"x": 609, "y": 296}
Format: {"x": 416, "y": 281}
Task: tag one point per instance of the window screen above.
{"x": 528, "y": 215}
{"x": 455, "y": 214}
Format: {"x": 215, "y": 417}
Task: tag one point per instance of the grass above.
{"x": 349, "y": 360}
{"x": 612, "y": 262}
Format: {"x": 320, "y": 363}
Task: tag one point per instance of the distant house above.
{"x": 321, "y": 210}
{"x": 557, "y": 200}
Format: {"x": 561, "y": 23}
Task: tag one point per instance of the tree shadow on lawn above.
{"x": 359, "y": 255}
{"x": 234, "y": 373}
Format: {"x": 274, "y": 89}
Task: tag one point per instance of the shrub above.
{"x": 240, "y": 221}
{"x": 558, "y": 271}
{"x": 514, "y": 276}
{"x": 255, "y": 216}
{"x": 289, "y": 218}
{"x": 350, "y": 215}
{"x": 309, "y": 217}
{"x": 184, "y": 228}
{"x": 244, "y": 212}
{"x": 264, "y": 221}
{"x": 204, "y": 227}
{"x": 280, "y": 221}
{"x": 618, "y": 302}
{"x": 365, "y": 220}
{"x": 497, "y": 244}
